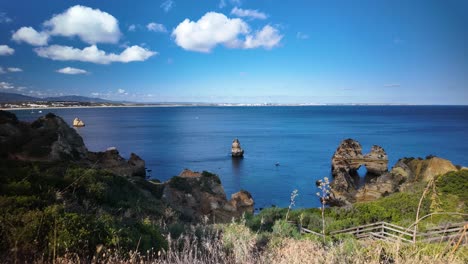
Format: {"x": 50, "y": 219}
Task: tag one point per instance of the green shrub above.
{"x": 282, "y": 228}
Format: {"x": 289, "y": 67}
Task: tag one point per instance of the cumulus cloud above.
{"x": 121, "y": 91}
{"x": 31, "y": 36}
{"x": 93, "y": 54}
{"x": 216, "y": 29}
{"x": 71, "y": 71}
{"x": 167, "y": 5}
{"x": 155, "y": 27}
{"x": 90, "y": 25}
{"x": 5, "y": 50}
{"x": 132, "y": 28}
{"x": 268, "y": 38}
{"x": 210, "y": 30}
{"x": 253, "y": 14}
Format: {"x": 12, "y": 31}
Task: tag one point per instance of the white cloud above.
{"x": 155, "y": 27}
{"x": 13, "y": 69}
{"x": 121, "y": 91}
{"x": 4, "y": 18}
{"x": 301, "y": 35}
{"x": 93, "y": 54}
{"x": 90, "y": 25}
{"x": 216, "y": 29}
{"x": 6, "y": 86}
{"x": 9, "y": 69}
{"x": 30, "y": 36}
{"x": 167, "y": 5}
{"x": 72, "y": 71}
{"x": 268, "y": 38}
{"x": 392, "y": 85}
{"x": 5, "y": 50}
{"x": 253, "y": 14}
{"x": 95, "y": 94}
{"x": 132, "y": 28}
{"x": 209, "y": 31}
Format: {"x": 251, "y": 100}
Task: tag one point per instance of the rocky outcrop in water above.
{"x": 197, "y": 195}
{"x": 379, "y": 182}
{"x": 78, "y": 122}
{"x": 236, "y": 149}
{"x": 348, "y": 157}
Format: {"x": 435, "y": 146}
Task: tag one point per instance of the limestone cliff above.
{"x": 380, "y": 182}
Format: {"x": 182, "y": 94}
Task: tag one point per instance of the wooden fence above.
{"x": 394, "y": 233}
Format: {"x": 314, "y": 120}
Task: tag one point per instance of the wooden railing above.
{"x": 394, "y": 233}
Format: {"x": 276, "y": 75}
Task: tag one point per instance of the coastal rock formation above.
{"x": 49, "y": 138}
{"x": 197, "y": 195}
{"x": 112, "y": 161}
{"x": 236, "y": 149}
{"x": 346, "y": 161}
{"x": 78, "y": 122}
{"x": 379, "y": 182}
{"x": 349, "y": 157}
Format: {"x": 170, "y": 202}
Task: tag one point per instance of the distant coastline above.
{"x": 199, "y": 105}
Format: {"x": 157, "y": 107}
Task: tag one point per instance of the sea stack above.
{"x": 237, "y": 151}
{"x": 78, "y": 122}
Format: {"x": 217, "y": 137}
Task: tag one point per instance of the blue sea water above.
{"x": 301, "y": 139}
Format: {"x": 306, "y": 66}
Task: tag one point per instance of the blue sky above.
{"x": 239, "y": 51}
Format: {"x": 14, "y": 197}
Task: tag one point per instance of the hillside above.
{"x": 13, "y": 98}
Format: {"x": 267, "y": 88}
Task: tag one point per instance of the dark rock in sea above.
{"x": 197, "y": 195}
{"x": 236, "y": 149}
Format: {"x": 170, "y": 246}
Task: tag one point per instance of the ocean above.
{"x": 286, "y": 148}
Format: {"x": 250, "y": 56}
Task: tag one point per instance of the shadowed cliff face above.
{"x": 51, "y": 139}
{"x": 380, "y": 182}
{"x": 48, "y": 138}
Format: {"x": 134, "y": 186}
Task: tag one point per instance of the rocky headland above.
{"x": 348, "y": 158}
{"x": 50, "y": 139}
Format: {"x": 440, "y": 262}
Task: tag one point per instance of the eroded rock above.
{"x": 236, "y": 149}
{"x": 197, "y": 195}
{"x": 380, "y": 182}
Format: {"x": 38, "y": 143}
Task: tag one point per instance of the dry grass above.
{"x": 235, "y": 243}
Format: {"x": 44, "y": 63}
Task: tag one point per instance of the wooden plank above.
{"x": 310, "y": 232}
{"x": 462, "y": 224}
{"x": 448, "y": 231}
{"x": 356, "y": 227}
{"x": 440, "y": 238}
{"x": 398, "y": 231}
{"x": 398, "y": 237}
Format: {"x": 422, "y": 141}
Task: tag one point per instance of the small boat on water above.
{"x": 78, "y": 122}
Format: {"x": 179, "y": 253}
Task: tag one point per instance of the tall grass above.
{"x": 234, "y": 243}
